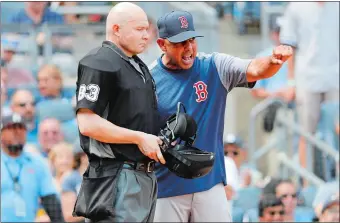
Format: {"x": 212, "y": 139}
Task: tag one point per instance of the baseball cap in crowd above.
{"x": 12, "y": 119}
{"x": 177, "y": 26}
{"x": 330, "y": 201}
{"x": 233, "y": 139}
{"x": 8, "y": 44}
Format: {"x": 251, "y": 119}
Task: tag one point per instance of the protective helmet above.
{"x": 184, "y": 160}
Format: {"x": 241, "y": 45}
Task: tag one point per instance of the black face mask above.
{"x": 16, "y": 148}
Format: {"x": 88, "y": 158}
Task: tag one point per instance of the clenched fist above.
{"x": 281, "y": 54}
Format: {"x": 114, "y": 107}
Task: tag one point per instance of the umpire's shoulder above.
{"x": 102, "y": 58}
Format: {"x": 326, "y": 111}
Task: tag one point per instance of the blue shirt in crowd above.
{"x": 35, "y": 180}
{"x": 48, "y": 17}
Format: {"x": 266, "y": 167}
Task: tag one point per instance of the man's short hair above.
{"x": 268, "y": 200}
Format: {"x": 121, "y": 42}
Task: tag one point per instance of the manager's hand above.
{"x": 149, "y": 145}
{"x": 281, "y": 54}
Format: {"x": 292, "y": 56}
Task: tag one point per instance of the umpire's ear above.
{"x": 116, "y": 29}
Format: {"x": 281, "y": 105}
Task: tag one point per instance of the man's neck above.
{"x": 127, "y": 53}
{"x": 290, "y": 217}
{"x": 167, "y": 62}
{"x": 12, "y": 155}
{"x": 36, "y": 16}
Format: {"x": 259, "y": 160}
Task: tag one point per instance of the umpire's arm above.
{"x": 94, "y": 88}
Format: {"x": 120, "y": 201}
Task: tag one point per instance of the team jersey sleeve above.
{"x": 93, "y": 89}
{"x": 288, "y": 29}
{"x": 232, "y": 71}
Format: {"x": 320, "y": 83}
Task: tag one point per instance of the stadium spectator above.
{"x": 9, "y": 47}
{"x": 4, "y": 103}
{"x": 232, "y": 176}
{"x": 312, "y": 28}
{"x": 4, "y": 73}
{"x": 49, "y": 134}
{"x": 23, "y": 103}
{"x": 3, "y": 92}
{"x": 24, "y": 177}
{"x": 275, "y": 86}
{"x": 61, "y": 162}
{"x": 286, "y": 191}
{"x": 50, "y": 83}
{"x": 15, "y": 76}
{"x": 330, "y": 210}
{"x": 323, "y": 193}
{"x": 271, "y": 209}
{"x": 233, "y": 148}
{"x": 37, "y": 13}
{"x": 71, "y": 184}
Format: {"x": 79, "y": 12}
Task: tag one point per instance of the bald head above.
{"x": 126, "y": 26}
{"x": 23, "y": 104}
{"x": 122, "y": 13}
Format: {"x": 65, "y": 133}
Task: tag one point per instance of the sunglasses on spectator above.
{"x": 273, "y": 213}
{"x": 287, "y": 195}
{"x": 27, "y": 103}
{"x": 235, "y": 153}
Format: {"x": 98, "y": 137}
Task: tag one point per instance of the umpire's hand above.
{"x": 149, "y": 145}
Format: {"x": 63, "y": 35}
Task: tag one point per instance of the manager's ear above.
{"x": 161, "y": 44}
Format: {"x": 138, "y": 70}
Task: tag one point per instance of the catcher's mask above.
{"x": 184, "y": 160}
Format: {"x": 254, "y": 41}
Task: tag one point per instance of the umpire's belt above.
{"x": 141, "y": 166}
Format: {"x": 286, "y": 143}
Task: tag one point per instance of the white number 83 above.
{"x": 92, "y": 95}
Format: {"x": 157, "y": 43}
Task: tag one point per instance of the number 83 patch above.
{"x": 90, "y": 92}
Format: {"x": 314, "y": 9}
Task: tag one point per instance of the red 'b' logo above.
{"x": 201, "y": 91}
{"x": 184, "y": 22}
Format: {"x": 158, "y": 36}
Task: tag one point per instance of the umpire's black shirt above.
{"x": 121, "y": 90}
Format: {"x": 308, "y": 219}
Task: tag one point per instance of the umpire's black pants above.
{"x": 134, "y": 198}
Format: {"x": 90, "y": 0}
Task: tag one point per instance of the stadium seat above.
{"x": 252, "y": 215}
{"x": 247, "y": 198}
{"x": 59, "y": 109}
{"x": 237, "y": 214}
{"x": 305, "y": 214}
{"x": 8, "y": 9}
{"x": 308, "y": 195}
{"x": 329, "y": 113}
{"x": 70, "y": 130}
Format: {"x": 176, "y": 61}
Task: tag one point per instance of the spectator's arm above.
{"x": 52, "y": 206}
{"x": 68, "y": 200}
{"x": 48, "y": 192}
{"x": 69, "y": 197}
{"x": 260, "y": 93}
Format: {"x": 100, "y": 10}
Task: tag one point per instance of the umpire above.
{"x": 117, "y": 117}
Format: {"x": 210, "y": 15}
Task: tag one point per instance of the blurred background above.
{"x": 42, "y": 42}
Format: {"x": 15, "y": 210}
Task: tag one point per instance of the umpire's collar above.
{"x": 113, "y": 46}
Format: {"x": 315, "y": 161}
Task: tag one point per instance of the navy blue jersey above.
{"x": 203, "y": 90}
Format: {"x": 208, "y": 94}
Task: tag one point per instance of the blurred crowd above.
{"x": 41, "y": 96}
